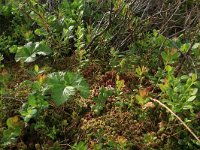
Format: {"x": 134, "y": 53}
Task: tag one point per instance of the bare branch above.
{"x": 184, "y": 124}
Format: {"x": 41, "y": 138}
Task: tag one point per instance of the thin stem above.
{"x": 184, "y": 124}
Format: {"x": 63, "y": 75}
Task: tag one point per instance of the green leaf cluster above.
{"x": 33, "y": 107}
{"x": 101, "y": 99}
{"x": 14, "y": 130}
{"x": 180, "y": 92}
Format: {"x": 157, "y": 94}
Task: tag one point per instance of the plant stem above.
{"x": 184, "y": 124}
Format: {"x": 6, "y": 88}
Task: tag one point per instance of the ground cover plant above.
{"x": 99, "y": 74}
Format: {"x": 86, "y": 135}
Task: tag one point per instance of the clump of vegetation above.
{"x": 95, "y": 74}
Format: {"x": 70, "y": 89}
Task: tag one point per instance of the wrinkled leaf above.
{"x": 28, "y": 53}
{"x": 63, "y": 85}
{"x": 61, "y": 94}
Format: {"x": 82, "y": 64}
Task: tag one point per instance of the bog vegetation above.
{"x": 100, "y": 74}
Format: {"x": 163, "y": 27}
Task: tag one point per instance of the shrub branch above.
{"x": 184, "y": 124}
